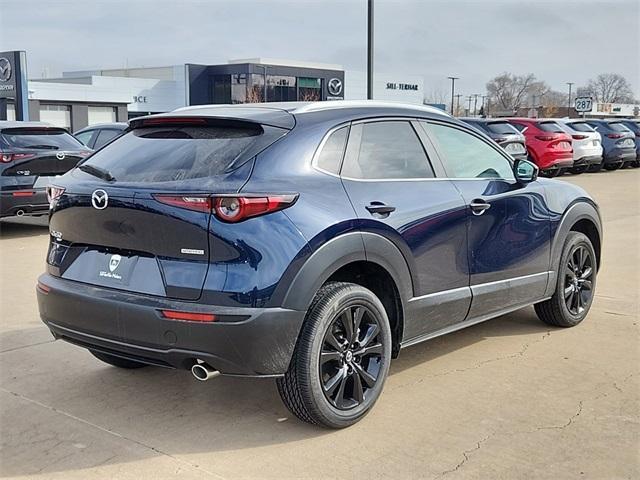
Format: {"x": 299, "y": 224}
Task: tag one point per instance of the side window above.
{"x": 519, "y": 126}
{"x": 330, "y": 157}
{"x": 466, "y": 156}
{"x": 385, "y": 150}
{"x": 105, "y": 137}
{"x": 84, "y": 137}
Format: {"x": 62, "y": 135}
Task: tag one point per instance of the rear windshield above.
{"x": 39, "y": 139}
{"x": 619, "y": 127}
{"x": 550, "y": 127}
{"x": 581, "y": 127}
{"x": 501, "y": 128}
{"x": 166, "y": 154}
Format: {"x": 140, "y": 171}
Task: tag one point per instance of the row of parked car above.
{"x": 558, "y": 145}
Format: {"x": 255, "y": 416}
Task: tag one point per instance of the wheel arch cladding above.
{"x": 582, "y": 216}
{"x": 363, "y": 258}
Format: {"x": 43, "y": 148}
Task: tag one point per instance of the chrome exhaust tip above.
{"x": 20, "y": 213}
{"x": 204, "y": 372}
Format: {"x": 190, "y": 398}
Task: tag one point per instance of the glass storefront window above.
{"x": 222, "y": 89}
{"x": 255, "y": 88}
{"x": 281, "y": 88}
{"x": 56, "y": 115}
{"x": 239, "y": 88}
{"x": 309, "y": 89}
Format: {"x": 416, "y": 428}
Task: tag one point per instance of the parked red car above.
{"x": 547, "y": 144}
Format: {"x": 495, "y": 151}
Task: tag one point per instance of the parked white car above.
{"x": 586, "y": 143}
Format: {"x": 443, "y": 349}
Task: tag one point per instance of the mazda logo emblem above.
{"x": 99, "y": 199}
{"x": 5, "y": 69}
{"x": 334, "y": 86}
{"x": 60, "y": 155}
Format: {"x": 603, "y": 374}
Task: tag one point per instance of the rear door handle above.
{"x": 479, "y": 206}
{"x": 380, "y": 208}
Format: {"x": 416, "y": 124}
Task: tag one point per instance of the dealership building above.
{"x": 81, "y": 98}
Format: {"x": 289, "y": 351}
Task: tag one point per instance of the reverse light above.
{"x": 53, "y": 193}
{"x": 231, "y": 209}
{"x": 14, "y": 157}
{"x": 188, "y": 316}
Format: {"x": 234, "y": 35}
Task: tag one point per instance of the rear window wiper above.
{"x": 97, "y": 172}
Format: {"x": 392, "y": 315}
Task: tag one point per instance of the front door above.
{"x": 391, "y": 185}
{"x": 508, "y": 222}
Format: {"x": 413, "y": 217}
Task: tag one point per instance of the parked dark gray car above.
{"x": 503, "y": 133}
{"x": 98, "y": 135}
{"x": 618, "y": 143}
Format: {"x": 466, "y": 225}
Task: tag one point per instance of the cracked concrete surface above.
{"x": 507, "y": 399}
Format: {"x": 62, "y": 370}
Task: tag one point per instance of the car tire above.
{"x": 595, "y": 167}
{"x": 578, "y": 170}
{"x": 117, "y": 361}
{"x": 575, "y": 285}
{"x": 613, "y": 166}
{"x": 330, "y": 381}
{"x": 635, "y": 164}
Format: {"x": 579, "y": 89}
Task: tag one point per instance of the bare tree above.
{"x": 608, "y": 88}
{"x": 437, "y": 95}
{"x": 508, "y": 92}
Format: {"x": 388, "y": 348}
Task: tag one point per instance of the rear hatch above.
{"x": 583, "y": 135}
{"x": 555, "y": 136}
{"x": 507, "y": 136}
{"x": 623, "y": 136}
{"x": 121, "y": 221}
{"x": 36, "y": 154}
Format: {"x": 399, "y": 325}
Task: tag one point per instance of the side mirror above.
{"x": 525, "y": 171}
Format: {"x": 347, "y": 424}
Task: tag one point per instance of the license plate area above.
{"x": 119, "y": 270}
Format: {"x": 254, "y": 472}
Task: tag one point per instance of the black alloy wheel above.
{"x": 351, "y": 357}
{"x": 578, "y": 285}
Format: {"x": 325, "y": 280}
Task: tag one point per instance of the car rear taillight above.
{"x": 188, "y": 316}
{"x": 231, "y": 209}
{"x": 53, "y": 193}
{"x": 615, "y": 135}
{"x": 14, "y": 157}
{"x": 546, "y": 138}
{"x": 579, "y": 137}
{"x": 500, "y": 140}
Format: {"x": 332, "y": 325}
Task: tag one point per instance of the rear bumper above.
{"x": 16, "y": 201}
{"x": 617, "y": 155}
{"x": 551, "y": 160}
{"x": 587, "y": 161}
{"x": 130, "y": 325}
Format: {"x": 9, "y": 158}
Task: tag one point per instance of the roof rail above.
{"x": 334, "y": 104}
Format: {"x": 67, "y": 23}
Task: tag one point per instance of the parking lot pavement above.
{"x": 510, "y": 398}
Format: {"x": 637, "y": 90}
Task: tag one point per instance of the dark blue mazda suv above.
{"x": 306, "y": 242}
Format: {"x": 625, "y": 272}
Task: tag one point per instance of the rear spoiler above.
{"x": 212, "y": 115}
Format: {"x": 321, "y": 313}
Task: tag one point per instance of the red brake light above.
{"x": 190, "y": 202}
{"x": 545, "y": 138}
{"x": 579, "y": 137}
{"x": 43, "y": 288}
{"x": 13, "y": 157}
{"x": 230, "y": 209}
{"x": 236, "y": 209}
{"x": 23, "y": 193}
{"x": 54, "y": 193}
{"x": 173, "y": 121}
{"x": 188, "y": 316}
{"x": 615, "y": 135}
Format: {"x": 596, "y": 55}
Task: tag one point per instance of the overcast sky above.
{"x": 559, "y": 41}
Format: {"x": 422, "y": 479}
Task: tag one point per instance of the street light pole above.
{"x": 475, "y": 103}
{"x": 453, "y": 90}
{"x": 569, "y": 101}
{"x": 484, "y": 108}
{"x": 370, "y": 49}
{"x": 458, "y": 95}
{"x": 469, "y": 107}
